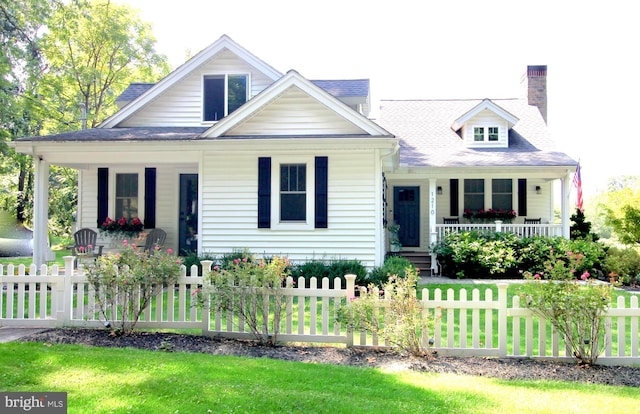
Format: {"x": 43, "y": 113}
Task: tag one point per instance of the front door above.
{"x": 188, "y": 221}
{"x": 406, "y": 214}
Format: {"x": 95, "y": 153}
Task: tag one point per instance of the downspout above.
{"x": 382, "y": 246}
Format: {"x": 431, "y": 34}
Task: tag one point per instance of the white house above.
{"x": 227, "y": 153}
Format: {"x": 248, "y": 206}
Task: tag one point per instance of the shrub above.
{"x": 252, "y": 290}
{"x": 623, "y": 265}
{"x": 478, "y": 254}
{"x": 398, "y": 319}
{"x": 392, "y": 266}
{"x": 126, "y": 282}
{"x": 576, "y": 310}
{"x": 192, "y": 258}
{"x": 330, "y": 269}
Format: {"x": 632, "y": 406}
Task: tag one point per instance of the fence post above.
{"x": 64, "y": 293}
{"x": 502, "y": 318}
{"x": 206, "y": 306}
{"x": 498, "y": 226}
{"x": 351, "y": 293}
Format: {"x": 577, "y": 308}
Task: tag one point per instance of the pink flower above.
{"x": 585, "y": 276}
{"x": 125, "y": 242}
{"x": 236, "y": 261}
{"x": 536, "y": 276}
{"x": 156, "y": 247}
{"x": 168, "y": 250}
{"x": 245, "y": 259}
{"x": 216, "y": 268}
{"x": 90, "y": 247}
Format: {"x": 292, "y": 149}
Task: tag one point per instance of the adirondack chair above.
{"x": 532, "y": 221}
{"x": 451, "y": 220}
{"x": 156, "y": 237}
{"x": 86, "y": 243}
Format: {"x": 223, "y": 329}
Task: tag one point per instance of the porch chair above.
{"x": 84, "y": 238}
{"x": 451, "y": 220}
{"x": 532, "y": 220}
{"x": 156, "y": 237}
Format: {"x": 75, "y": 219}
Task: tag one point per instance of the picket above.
{"x": 49, "y": 297}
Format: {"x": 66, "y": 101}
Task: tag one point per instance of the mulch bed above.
{"x": 503, "y": 368}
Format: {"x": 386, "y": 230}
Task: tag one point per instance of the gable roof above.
{"x": 486, "y": 104}
{"x": 270, "y": 95}
{"x": 427, "y": 139}
{"x": 224, "y": 42}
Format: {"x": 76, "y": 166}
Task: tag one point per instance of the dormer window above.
{"x": 482, "y": 134}
{"x": 223, "y": 94}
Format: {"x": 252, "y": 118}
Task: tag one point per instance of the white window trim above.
{"x": 309, "y": 223}
{"x": 112, "y": 190}
{"x": 226, "y": 92}
{"x": 486, "y": 133}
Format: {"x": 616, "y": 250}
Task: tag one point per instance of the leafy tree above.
{"x": 621, "y": 214}
{"x": 59, "y": 55}
{"x": 94, "y": 50}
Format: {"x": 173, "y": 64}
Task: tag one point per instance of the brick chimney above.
{"x": 535, "y": 88}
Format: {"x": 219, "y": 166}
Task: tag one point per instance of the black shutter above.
{"x": 322, "y": 191}
{"x": 264, "y": 192}
{"x": 522, "y": 196}
{"x": 149, "y": 198}
{"x": 103, "y": 195}
{"x": 454, "y": 198}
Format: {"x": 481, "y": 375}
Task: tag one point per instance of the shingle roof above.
{"x": 124, "y": 134}
{"x": 338, "y": 88}
{"x": 427, "y": 139}
{"x": 345, "y": 87}
{"x": 134, "y": 90}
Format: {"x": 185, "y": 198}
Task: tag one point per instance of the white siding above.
{"x": 181, "y": 105}
{"x": 230, "y": 218}
{"x": 295, "y": 113}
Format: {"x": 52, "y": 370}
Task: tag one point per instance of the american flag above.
{"x": 577, "y": 181}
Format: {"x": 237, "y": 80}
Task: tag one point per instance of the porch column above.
{"x": 40, "y": 211}
{"x": 565, "y": 193}
{"x": 433, "y": 234}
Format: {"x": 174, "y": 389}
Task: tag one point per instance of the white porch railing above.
{"x": 47, "y": 297}
{"x": 521, "y": 230}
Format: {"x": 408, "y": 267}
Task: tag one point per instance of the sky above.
{"x": 445, "y": 49}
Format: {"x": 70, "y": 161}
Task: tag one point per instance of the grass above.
{"x": 129, "y": 380}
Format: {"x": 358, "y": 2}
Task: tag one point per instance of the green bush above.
{"x": 398, "y": 318}
{"x": 125, "y": 283}
{"x": 392, "y": 266}
{"x": 330, "y": 269}
{"x": 623, "y": 264}
{"x": 505, "y": 255}
{"x": 478, "y": 254}
{"x": 575, "y": 308}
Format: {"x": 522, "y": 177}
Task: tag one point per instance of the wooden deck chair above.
{"x": 156, "y": 237}
{"x": 451, "y": 220}
{"x": 85, "y": 243}
{"x": 532, "y": 220}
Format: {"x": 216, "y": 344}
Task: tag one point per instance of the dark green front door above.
{"x": 188, "y": 224}
{"x": 406, "y": 214}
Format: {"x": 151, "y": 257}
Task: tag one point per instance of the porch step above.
{"x": 421, "y": 260}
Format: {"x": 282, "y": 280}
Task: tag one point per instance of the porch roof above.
{"x": 427, "y": 139}
{"x": 123, "y": 134}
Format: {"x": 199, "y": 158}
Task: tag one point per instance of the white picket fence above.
{"x": 472, "y": 324}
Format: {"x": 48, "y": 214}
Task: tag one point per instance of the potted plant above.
{"x": 394, "y": 238}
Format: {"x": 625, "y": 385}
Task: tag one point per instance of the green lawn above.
{"x": 134, "y": 381}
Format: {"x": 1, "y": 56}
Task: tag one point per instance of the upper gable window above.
{"x": 223, "y": 94}
{"x": 482, "y": 134}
